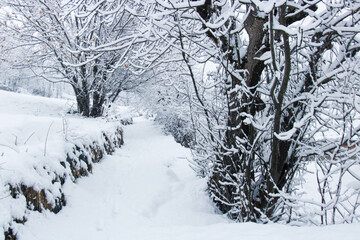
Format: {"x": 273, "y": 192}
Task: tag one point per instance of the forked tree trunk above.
{"x": 83, "y": 101}
{"x": 225, "y": 186}
{"x": 97, "y": 104}
{"x": 233, "y": 184}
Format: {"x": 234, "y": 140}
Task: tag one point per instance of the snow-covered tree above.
{"x": 284, "y": 94}
{"x": 64, "y": 39}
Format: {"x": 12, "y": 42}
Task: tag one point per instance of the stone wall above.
{"x": 79, "y": 162}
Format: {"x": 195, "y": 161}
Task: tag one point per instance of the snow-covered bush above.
{"x": 179, "y": 128}
{"x": 287, "y": 80}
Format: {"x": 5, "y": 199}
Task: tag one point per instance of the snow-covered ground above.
{"x": 145, "y": 190}
{"x": 36, "y": 135}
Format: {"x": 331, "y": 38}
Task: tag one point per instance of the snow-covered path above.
{"x": 146, "y": 190}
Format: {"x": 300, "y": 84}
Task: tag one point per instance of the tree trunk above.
{"x": 97, "y": 105}
{"x": 235, "y": 163}
{"x": 82, "y": 100}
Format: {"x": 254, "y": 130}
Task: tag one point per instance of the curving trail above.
{"x": 147, "y": 190}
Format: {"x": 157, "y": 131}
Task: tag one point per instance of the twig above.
{"x": 5, "y": 145}
{"x": 65, "y": 128}
{"x": 16, "y": 143}
{"x": 29, "y": 138}
{"x": 47, "y": 135}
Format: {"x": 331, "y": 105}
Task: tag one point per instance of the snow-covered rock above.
{"x": 41, "y": 147}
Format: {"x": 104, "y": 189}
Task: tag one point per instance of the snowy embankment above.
{"x": 147, "y": 191}
{"x": 41, "y": 149}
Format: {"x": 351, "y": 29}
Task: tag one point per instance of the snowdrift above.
{"x": 41, "y": 148}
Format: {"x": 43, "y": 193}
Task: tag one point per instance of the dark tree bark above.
{"x": 82, "y": 98}
{"x": 241, "y": 161}
{"x": 241, "y": 156}
{"x": 98, "y": 104}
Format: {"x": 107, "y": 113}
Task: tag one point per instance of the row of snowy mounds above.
{"x": 38, "y": 186}
{"x": 41, "y": 148}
